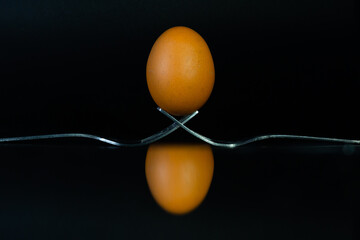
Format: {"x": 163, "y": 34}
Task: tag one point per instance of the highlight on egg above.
{"x": 180, "y": 71}
{"x": 179, "y": 175}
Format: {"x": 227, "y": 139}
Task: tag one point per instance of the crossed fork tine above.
{"x": 228, "y": 144}
{"x": 174, "y": 126}
{"x": 153, "y": 138}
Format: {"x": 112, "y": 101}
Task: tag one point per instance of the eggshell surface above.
{"x": 179, "y": 176}
{"x": 180, "y": 71}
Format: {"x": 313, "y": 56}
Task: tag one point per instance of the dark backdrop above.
{"x": 79, "y": 66}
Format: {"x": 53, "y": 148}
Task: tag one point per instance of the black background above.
{"x": 281, "y": 67}
{"x": 79, "y": 66}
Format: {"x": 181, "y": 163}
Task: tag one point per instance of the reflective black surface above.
{"x": 267, "y": 191}
{"x": 282, "y": 67}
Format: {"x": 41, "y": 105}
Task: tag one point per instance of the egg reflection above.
{"x": 179, "y": 175}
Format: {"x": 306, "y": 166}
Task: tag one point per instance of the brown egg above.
{"x": 179, "y": 176}
{"x": 180, "y": 71}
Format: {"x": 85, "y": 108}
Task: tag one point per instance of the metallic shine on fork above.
{"x": 229, "y": 144}
{"x": 148, "y": 140}
{"x": 174, "y": 126}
